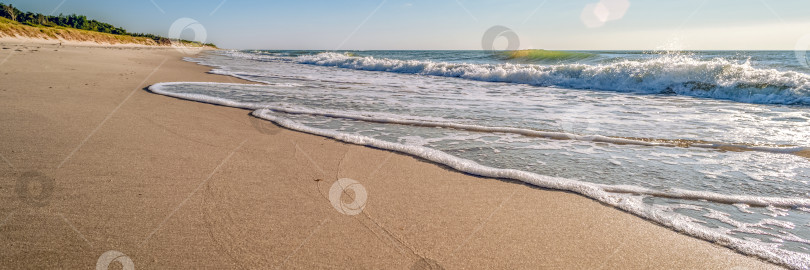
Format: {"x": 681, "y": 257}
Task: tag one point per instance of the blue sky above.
{"x": 451, "y": 24}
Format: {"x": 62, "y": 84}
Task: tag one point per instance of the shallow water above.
{"x": 713, "y": 144}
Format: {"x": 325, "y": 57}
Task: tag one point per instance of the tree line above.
{"x": 73, "y": 21}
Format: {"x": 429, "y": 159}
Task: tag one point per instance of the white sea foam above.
{"x": 396, "y": 119}
{"x": 632, "y": 204}
{"x": 628, "y": 198}
{"x": 669, "y": 74}
{"x": 363, "y": 116}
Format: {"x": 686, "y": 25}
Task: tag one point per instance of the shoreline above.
{"x": 596, "y": 192}
{"x": 174, "y": 183}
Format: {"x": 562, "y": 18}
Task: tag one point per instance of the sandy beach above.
{"x": 93, "y": 162}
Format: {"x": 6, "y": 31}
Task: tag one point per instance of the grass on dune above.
{"x": 9, "y": 28}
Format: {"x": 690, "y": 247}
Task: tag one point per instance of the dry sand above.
{"x": 180, "y": 184}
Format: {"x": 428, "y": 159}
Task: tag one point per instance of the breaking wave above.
{"x": 667, "y": 74}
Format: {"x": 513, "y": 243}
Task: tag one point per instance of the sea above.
{"x": 711, "y": 144}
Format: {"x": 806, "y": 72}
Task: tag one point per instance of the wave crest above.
{"x": 667, "y": 74}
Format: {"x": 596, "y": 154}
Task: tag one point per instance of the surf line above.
{"x": 555, "y": 135}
